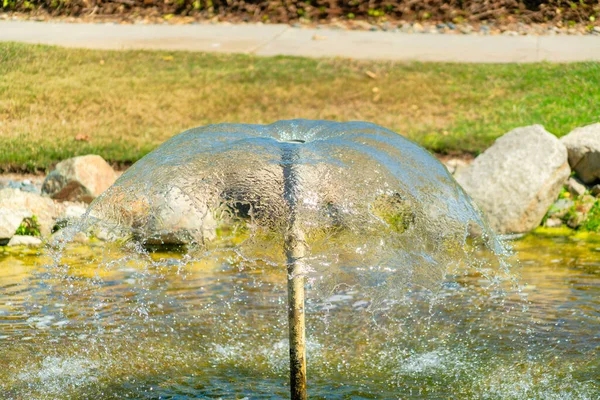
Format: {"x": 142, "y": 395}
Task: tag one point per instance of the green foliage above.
{"x": 375, "y": 13}
{"x": 592, "y": 222}
{"x": 583, "y": 215}
{"x": 571, "y": 213}
{"x": 29, "y": 227}
{"x": 564, "y": 193}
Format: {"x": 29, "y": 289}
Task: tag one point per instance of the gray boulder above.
{"x": 518, "y": 178}
{"x": 79, "y": 179}
{"x": 172, "y": 217}
{"x": 179, "y": 220}
{"x": 583, "y": 145}
{"x": 560, "y": 208}
{"x": 575, "y": 187}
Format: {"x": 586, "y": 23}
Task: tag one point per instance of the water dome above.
{"x": 340, "y": 205}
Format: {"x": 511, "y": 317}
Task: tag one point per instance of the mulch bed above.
{"x": 290, "y": 11}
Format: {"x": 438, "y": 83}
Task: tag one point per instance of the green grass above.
{"x": 125, "y": 103}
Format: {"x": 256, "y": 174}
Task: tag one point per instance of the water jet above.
{"x": 301, "y": 180}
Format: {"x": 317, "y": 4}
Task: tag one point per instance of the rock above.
{"x": 575, "y": 187}
{"x": 560, "y": 208}
{"x": 465, "y": 29}
{"x": 586, "y": 203}
{"x": 170, "y": 218}
{"x": 362, "y": 25}
{"x": 387, "y": 26}
{"x": 455, "y": 165}
{"x": 583, "y": 145}
{"x": 61, "y": 237}
{"x": 79, "y": 179}
{"x": 517, "y": 179}
{"x": 553, "y": 223}
{"x": 25, "y": 186}
{"x": 406, "y": 28}
{"x": 21, "y": 240}
{"x": 576, "y": 220}
{"x": 26, "y": 205}
{"x": 10, "y": 220}
{"x": 69, "y": 210}
{"x": 595, "y": 190}
{"x": 588, "y": 198}
{"x": 179, "y": 221}
{"x": 105, "y": 234}
{"x": 68, "y": 213}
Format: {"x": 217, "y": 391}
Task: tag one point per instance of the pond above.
{"x": 107, "y": 323}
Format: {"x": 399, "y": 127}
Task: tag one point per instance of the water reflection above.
{"x": 162, "y": 325}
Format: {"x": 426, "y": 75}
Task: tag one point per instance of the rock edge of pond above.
{"x": 528, "y": 178}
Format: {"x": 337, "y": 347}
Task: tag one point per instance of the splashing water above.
{"x": 409, "y": 293}
{"x": 374, "y": 208}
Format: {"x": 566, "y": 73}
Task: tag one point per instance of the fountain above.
{"x": 248, "y": 261}
{"x": 309, "y": 186}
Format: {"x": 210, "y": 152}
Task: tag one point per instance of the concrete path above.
{"x": 268, "y": 40}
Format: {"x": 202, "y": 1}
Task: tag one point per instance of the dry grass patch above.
{"x": 56, "y": 103}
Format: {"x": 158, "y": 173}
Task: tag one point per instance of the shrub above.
{"x": 29, "y": 227}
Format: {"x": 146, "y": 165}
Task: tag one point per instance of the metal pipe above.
{"x": 295, "y": 249}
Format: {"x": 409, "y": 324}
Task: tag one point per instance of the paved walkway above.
{"x": 267, "y": 40}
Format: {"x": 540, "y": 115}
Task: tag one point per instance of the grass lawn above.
{"x": 56, "y": 103}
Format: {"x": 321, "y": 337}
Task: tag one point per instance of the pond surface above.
{"x": 103, "y": 324}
